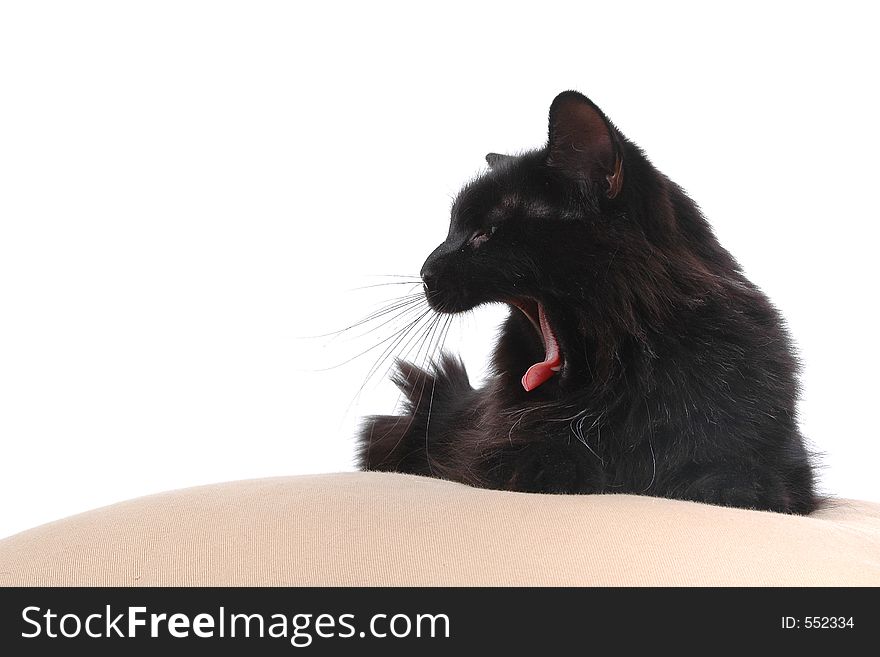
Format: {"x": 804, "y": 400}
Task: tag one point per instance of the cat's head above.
{"x": 555, "y": 233}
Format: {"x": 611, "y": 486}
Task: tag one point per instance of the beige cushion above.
{"x": 391, "y": 529}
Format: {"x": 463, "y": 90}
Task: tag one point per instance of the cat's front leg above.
{"x": 545, "y": 466}
{"x": 417, "y": 442}
{"x": 387, "y": 444}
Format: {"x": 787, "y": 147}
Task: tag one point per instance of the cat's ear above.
{"x": 494, "y": 159}
{"x": 583, "y": 142}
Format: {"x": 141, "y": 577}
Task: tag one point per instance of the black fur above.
{"x": 678, "y": 378}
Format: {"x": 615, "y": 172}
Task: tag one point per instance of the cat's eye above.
{"x": 480, "y": 236}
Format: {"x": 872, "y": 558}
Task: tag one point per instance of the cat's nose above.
{"x": 431, "y": 273}
{"x": 429, "y": 283}
{"x": 429, "y": 277}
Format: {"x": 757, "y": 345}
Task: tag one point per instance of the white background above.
{"x": 188, "y": 189}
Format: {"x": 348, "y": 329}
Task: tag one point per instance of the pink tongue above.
{"x": 541, "y": 372}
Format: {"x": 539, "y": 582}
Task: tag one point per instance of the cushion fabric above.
{"x": 391, "y": 529}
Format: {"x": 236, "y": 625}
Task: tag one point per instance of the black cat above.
{"x": 637, "y": 357}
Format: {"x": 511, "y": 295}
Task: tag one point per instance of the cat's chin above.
{"x": 539, "y": 373}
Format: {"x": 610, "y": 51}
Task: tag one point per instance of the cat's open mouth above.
{"x": 540, "y": 373}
